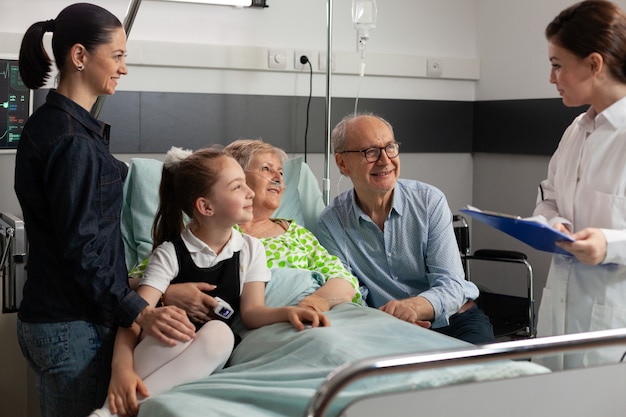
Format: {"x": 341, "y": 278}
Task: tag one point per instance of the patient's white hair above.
{"x": 244, "y": 151}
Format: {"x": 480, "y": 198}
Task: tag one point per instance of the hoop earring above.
{"x": 80, "y": 67}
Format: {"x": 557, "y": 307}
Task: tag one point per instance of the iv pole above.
{"x": 326, "y": 181}
{"x": 131, "y": 13}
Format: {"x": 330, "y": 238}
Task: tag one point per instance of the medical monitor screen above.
{"x": 16, "y": 103}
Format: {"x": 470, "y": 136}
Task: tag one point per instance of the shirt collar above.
{"x": 615, "y": 115}
{"x": 81, "y": 115}
{"x": 194, "y": 244}
{"x": 397, "y": 204}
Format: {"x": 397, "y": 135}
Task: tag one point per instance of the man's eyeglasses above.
{"x": 373, "y": 154}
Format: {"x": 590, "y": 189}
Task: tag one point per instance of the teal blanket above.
{"x": 276, "y": 370}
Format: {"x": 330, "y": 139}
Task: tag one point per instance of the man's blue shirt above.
{"x": 416, "y": 254}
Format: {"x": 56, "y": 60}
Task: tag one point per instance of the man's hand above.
{"x": 168, "y": 324}
{"x": 191, "y": 297}
{"x": 416, "y": 310}
{"x": 589, "y": 248}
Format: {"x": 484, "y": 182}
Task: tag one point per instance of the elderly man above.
{"x": 396, "y": 236}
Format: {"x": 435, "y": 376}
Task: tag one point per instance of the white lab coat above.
{"x": 586, "y": 187}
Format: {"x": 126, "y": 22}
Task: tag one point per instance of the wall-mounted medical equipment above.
{"x": 16, "y": 103}
{"x": 13, "y": 252}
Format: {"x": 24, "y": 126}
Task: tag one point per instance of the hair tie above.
{"x": 174, "y": 156}
{"x": 48, "y": 25}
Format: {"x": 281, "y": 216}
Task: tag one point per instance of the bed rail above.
{"x": 351, "y": 372}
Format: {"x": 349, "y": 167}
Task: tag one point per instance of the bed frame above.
{"x": 597, "y": 391}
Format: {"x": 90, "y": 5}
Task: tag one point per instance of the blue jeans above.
{"x": 472, "y": 326}
{"x": 72, "y": 361}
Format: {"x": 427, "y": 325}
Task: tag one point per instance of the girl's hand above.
{"x": 123, "y": 389}
{"x": 298, "y": 316}
{"x": 589, "y": 248}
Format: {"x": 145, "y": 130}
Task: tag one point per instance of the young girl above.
{"x": 210, "y": 188}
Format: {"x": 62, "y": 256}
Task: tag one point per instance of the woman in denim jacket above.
{"x": 70, "y": 190}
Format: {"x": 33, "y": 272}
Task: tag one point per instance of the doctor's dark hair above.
{"x": 182, "y": 183}
{"x": 83, "y": 23}
{"x": 340, "y": 133}
{"x": 593, "y": 26}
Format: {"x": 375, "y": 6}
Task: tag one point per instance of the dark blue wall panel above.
{"x": 152, "y": 122}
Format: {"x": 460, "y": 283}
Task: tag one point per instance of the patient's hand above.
{"x": 335, "y": 291}
{"x": 416, "y": 310}
{"x": 315, "y": 303}
{"x": 191, "y": 297}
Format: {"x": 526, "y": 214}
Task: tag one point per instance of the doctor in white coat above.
{"x": 585, "y": 192}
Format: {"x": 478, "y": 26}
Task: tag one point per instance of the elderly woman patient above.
{"x": 287, "y": 244}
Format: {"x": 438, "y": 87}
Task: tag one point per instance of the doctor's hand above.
{"x": 589, "y": 248}
{"x": 416, "y": 310}
{"x": 562, "y": 228}
{"x": 191, "y": 297}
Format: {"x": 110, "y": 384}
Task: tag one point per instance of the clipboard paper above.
{"x": 538, "y": 235}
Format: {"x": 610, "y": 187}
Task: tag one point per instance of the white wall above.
{"x": 514, "y": 65}
{"x": 407, "y": 32}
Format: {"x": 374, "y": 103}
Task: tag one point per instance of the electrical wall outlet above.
{"x": 297, "y": 65}
{"x": 434, "y": 67}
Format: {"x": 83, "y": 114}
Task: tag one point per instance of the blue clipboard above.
{"x": 534, "y": 234}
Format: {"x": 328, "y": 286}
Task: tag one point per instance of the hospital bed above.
{"x": 276, "y": 371}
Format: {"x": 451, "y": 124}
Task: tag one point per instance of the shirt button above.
{"x": 389, "y": 254}
{"x": 395, "y": 278}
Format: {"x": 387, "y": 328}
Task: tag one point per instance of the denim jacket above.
{"x": 70, "y": 189}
